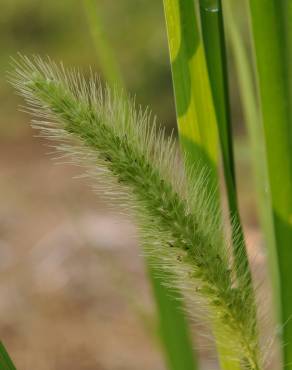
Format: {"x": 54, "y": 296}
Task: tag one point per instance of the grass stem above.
{"x": 271, "y": 61}
{"x": 214, "y": 43}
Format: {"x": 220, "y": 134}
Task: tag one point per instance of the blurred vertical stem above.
{"x": 214, "y": 43}
{"x": 196, "y": 115}
{"x": 254, "y": 125}
{"x": 285, "y": 7}
{"x": 107, "y": 61}
{"x": 5, "y": 361}
{"x": 173, "y": 325}
{"x": 269, "y": 21}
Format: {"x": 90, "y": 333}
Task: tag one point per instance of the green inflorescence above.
{"x": 140, "y": 169}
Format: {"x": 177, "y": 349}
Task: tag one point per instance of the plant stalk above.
{"x": 273, "y": 66}
{"x": 253, "y": 119}
{"x": 215, "y": 49}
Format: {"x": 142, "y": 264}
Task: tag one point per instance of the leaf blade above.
{"x": 5, "y": 361}
{"x": 269, "y": 40}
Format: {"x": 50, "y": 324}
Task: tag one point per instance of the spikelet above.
{"x": 139, "y": 169}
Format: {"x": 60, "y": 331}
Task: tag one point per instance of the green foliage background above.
{"x": 135, "y": 28}
{"x": 60, "y": 29}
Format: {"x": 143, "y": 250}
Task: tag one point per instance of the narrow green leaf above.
{"x": 196, "y": 114}
{"x": 214, "y": 43}
{"x": 254, "y": 124}
{"x": 213, "y": 35}
{"x": 173, "y": 324}
{"x": 285, "y": 7}
{"x": 174, "y": 334}
{"x": 269, "y": 39}
{"x": 5, "y": 361}
{"x": 194, "y": 105}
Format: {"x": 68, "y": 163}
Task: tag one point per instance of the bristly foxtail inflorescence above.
{"x": 139, "y": 168}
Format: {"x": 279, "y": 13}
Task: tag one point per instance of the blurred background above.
{"x": 73, "y": 290}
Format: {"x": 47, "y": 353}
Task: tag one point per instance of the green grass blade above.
{"x": 196, "y": 115}
{"x": 5, "y": 361}
{"x": 213, "y": 35}
{"x": 173, "y": 325}
{"x": 285, "y": 7}
{"x": 175, "y": 335}
{"x": 288, "y": 23}
{"x": 269, "y": 40}
{"x": 254, "y": 125}
{"x": 194, "y": 106}
{"x": 214, "y": 43}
